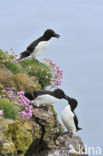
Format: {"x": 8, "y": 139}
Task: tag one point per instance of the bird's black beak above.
{"x": 56, "y": 35}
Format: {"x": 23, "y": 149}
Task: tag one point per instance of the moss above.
{"x": 9, "y": 149}
{"x": 14, "y": 67}
{"x": 21, "y": 135}
{"x": 16, "y": 137}
{"x": 9, "y": 109}
{"x": 52, "y": 109}
{"x": 37, "y": 134}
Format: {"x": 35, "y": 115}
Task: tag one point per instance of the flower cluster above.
{"x": 10, "y": 57}
{"x": 27, "y": 112}
{"x": 57, "y": 73}
{"x": 20, "y": 100}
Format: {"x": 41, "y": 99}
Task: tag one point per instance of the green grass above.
{"x": 39, "y": 70}
{"x": 14, "y": 67}
{"x": 9, "y": 109}
{"x": 28, "y": 62}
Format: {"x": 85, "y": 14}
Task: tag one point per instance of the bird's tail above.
{"x": 24, "y": 54}
{"x": 79, "y": 128}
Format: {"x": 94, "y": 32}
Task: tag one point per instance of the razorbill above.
{"x": 44, "y": 97}
{"x": 69, "y": 118}
{"x": 38, "y": 46}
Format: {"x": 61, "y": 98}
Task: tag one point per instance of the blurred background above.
{"x": 78, "y": 52}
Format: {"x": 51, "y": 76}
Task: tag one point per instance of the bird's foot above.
{"x": 34, "y": 59}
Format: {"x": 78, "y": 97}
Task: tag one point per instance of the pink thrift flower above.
{"x": 10, "y": 96}
{"x": 14, "y": 60}
{"x": 11, "y": 62}
{"x": 51, "y": 79}
{"x": 46, "y": 77}
{"x": 26, "y": 108}
{"x": 19, "y": 60}
{"x": 16, "y": 103}
{"x": 13, "y": 97}
{"x": 24, "y": 114}
{"x": 29, "y": 114}
{"x": 1, "y": 112}
{"x": 4, "y": 90}
{"x": 30, "y": 107}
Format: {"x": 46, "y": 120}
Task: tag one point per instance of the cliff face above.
{"x": 41, "y": 135}
{"x": 21, "y": 134}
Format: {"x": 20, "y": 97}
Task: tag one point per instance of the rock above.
{"x": 15, "y": 137}
{"x": 50, "y": 141}
{"x": 42, "y": 135}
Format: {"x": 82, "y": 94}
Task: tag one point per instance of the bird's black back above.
{"x": 34, "y": 94}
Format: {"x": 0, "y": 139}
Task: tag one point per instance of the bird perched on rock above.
{"x": 44, "y": 97}
{"x": 69, "y": 118}
{"x": 38, "y": 46}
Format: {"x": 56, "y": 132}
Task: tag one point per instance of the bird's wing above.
{"x": 32, "y": 46}
{"x": 76, "y": 122}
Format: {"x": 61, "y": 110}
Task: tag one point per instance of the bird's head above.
{"x": 29, "y": 95}
{"x": 49, "y": 33}
{"x": 72, "y": 102}
{"x": 59, "y": 93}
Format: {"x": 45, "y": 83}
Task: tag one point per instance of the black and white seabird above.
{"x": 38, "y": 46}
{"x": 44, "y": 97}
{"x": 69, "y": 118}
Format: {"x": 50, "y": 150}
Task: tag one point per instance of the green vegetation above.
{"x": 9, "y": 109}
{"x": 27, "y": 66}
{"x": 14, "y": 67}
{"x": 41, "y": 71}
{"x": 2, "y": 55}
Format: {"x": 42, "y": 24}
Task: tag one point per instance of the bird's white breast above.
{"x": 40, "y": 48}
{"x": 44, "y": 100}
{"x": 68, "y": 119}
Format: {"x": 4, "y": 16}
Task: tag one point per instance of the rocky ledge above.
{"x": 42, "y": 135}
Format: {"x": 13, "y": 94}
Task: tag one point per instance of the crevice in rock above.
{"x": 37, "y": 144}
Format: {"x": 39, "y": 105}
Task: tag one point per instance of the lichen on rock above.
{"x": 15, "y": 137}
